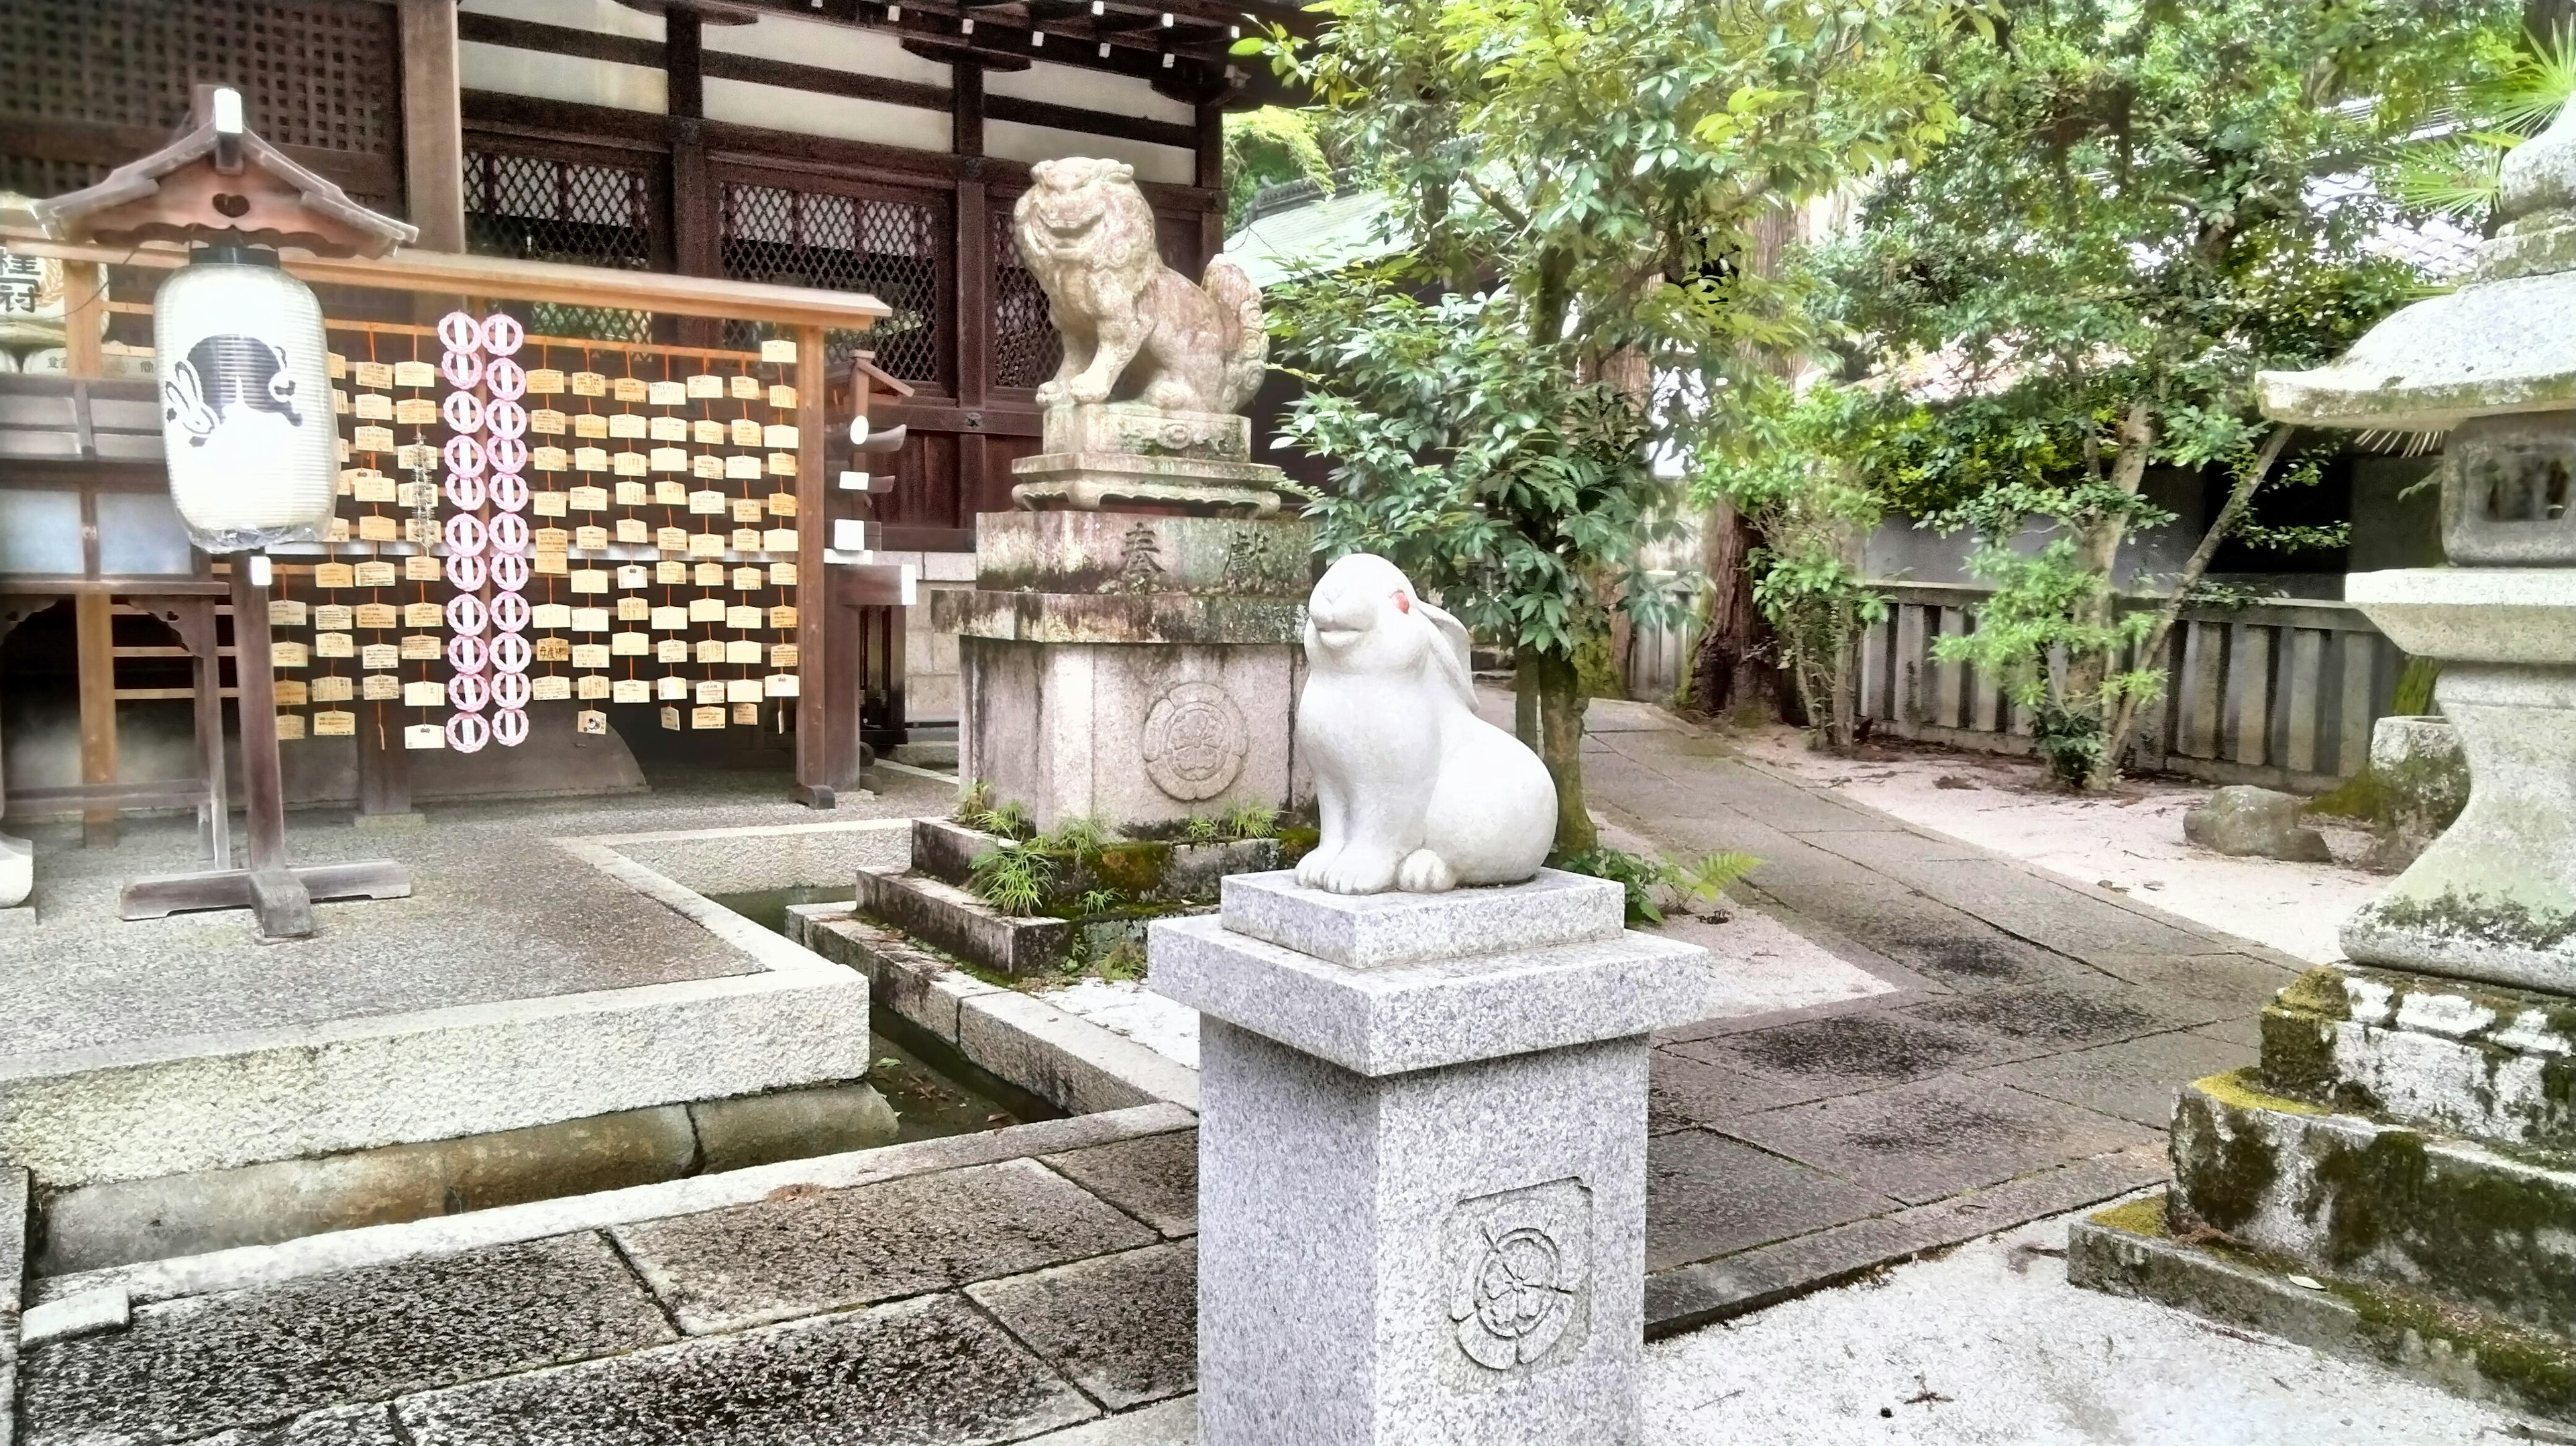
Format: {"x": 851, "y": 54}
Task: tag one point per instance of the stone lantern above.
{"x": 2394, "y": 1179}
{"x": 2493, "y": 365}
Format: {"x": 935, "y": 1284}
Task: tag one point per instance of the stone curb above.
{"x": 449, "y": 1234}
{"x": 2103, "y": 1254}
{"x": 86, "y": 1116}
{"x": 1690, "y": 1296}
{"x": 1063, "y": 1058}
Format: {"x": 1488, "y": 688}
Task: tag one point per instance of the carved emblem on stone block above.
{"x": 1195, "y": 739}
{"x": 1521, "y": 1268}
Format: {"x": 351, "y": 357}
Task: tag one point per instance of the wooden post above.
{"x": 845, "y": 639}
{"x": 696, "y": 246}
{"x": 194, "y": 619}
{"x": 278, "y": 897}
{"x": 433, "y": 124}
{"x": 94, "y": 643}
{"x": 1211, "y": 174}
{"x": 818, "y": 685}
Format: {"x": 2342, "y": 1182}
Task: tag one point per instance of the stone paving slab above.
{"x": 265, "y": 1355}
{"x": 1172, "y": 1423}
{"x": 2073, "y": 1013}
{"x": 1707, "y": 1195}
{"x": 1122, "y": 1327}
{"x": 2134, "y": 1079}
{"x": 819, "y": 1251}
{"x": 371, "y": 1425}
{"x": 1851, "y": 1052}
{"x": 1697, "y": 1295}
{"x": 1155, "y": 1179}
{"x": 1926, "y": 1141}
{"x": 921, "y": 1371}
{"x": 1682, "y": 1091}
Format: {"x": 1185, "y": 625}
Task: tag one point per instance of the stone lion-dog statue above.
{"x": 1134, "y": 329}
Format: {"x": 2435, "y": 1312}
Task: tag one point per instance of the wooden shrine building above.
{"x": 841, "y": 145}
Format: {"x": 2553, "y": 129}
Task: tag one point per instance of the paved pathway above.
{"x": 2023, "y": 1062}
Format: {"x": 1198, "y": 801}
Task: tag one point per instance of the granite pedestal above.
{"x": 1138, "y": 667}
{"x": 1422, "y": 1160}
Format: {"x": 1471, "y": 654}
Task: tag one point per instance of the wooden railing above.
{"x": 2280, "y": 693}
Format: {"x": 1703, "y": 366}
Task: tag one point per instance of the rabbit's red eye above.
{"x": 1403, "y": 604}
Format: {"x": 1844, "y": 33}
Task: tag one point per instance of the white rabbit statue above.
{"x": 1416, "y": 792}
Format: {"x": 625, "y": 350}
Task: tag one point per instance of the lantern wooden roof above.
{"x": 220, "y": 181}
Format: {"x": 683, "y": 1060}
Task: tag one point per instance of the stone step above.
{"x": 2130, "y": 1250}
{"x": 2477, "y": 1060}
{"x": 950, "y": 919}
{"x": 1145, "y": 871}
{"x": 2359, "y": 1199}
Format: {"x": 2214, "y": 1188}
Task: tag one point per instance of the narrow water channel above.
{"x": 934, "y": 1090}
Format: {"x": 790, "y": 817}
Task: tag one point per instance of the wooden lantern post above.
{"x": 219, "y": 184}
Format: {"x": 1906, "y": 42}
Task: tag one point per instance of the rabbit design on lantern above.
{"x": 1416, "y": 791}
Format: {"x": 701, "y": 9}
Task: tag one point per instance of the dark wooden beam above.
{"x": 771, "y": 149}
{"x": 1090, "y": 122}
{"x": 817, "y": 79}
{"x": 820, "y": 688}
{"x": 433, "y": 133}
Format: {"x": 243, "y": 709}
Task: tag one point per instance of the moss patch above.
{"x": 2320, "y": 991}
{"x": 2477, "y": 919}
{"x": 2138, "y": 1217}
{"x": 2236, "y": 1090}
{"x": 2535, "y": 1366}
{"x": 2298, "y": 1054}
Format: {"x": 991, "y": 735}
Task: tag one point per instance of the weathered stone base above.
{"x": 2480, "y": 1060}
{"x": 1137, "y": 735}
{"x": 2376, "y": 1202}
{"x": 2129, "y": 1251}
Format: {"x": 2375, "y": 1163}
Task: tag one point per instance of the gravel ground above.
{"x": 1989, "y": 1344}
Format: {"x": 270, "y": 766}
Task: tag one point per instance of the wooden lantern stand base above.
{"x": 279, "y": 895}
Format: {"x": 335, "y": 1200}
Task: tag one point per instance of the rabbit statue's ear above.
{"x": 1453, "y": 659}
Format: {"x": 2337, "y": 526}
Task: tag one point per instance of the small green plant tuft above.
{"x": 1704, "y": 879}
{"x": 1012, "y": 878}
{"x": 1099, "y": 901}
{"x": 1252, "y": 820}
{"x": 973, "y": 802}
{"x": 1125, "y": 960}
{"x": 1084, "y": 833}
{"x": 1010, "y": 820}
{"x": 1201, "y": 829}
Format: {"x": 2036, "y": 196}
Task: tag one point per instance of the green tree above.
{"x": 1578, "y": 186}
{"x": 2139, "y": 211}
{"x": 1269, "y": 146}
{"x": 1807, "y": 467}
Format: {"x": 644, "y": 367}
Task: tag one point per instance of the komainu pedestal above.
{"x": 1422, "y": 1159}
{"x": 1138, "y": 667}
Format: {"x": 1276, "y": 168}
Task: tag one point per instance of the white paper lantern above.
{"x": 245, "y": 402}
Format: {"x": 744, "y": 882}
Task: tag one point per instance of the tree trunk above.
{"x": 1560, "y": 716}
{"x": 1730, "y": 668}
{"x": 2124, "y": 716}
{"x": 1525, "y": 686}
{"x": 2099, "y": 548}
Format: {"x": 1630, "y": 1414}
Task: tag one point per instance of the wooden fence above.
{"x": 2281, "y": 693}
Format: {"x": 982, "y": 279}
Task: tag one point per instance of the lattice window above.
{"x": 319, "y": 74}
{"x": 889, "y": 249}
{"x": 1026, "y": 349}
{"x": 36, "y": 176}
{"x": 537, "y": 208}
